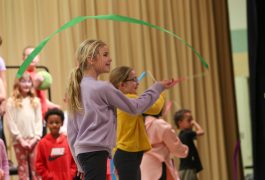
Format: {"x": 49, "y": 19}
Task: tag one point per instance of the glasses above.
{"x": 135, "y": 79}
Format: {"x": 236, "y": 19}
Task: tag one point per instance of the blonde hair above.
{"x": 88, "y": 49}
{"x": 17, "y": 96}
{"x": 119, "y": 74}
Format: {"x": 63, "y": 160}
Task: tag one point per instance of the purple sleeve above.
{"x": 72, "y": 131}
{"x": 2, "y": 64}
{"x": 136, "y": 106}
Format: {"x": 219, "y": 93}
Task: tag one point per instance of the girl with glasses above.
{"x": 92, "y": 108}
{"x": 132, "y": 140}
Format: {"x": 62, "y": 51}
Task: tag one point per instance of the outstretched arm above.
{"x": 139, "y": 105}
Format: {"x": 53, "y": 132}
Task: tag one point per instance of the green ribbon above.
{"x": 113, "y": 17}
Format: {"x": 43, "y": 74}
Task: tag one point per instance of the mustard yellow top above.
{"x": 131, "y": 133}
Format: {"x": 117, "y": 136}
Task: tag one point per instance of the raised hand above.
{"x": 170, "y": 83}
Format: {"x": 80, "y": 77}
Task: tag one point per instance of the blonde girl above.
{"x": 92, "y": 108}
{"x": 23, "y": 115}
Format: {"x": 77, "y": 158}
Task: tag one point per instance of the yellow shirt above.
{"x": 131, "y": 133}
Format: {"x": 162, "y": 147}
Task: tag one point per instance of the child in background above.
{"x": 92, "y": 104}
{"x": 54, "y": 159}
{"x": 132, "y": 140}
{"x": 4, "y": 168}
{"x": 37, "y": 80}
{"x": 2, "y": 67}
{"x": 2, "y": 93}
{"x": 158, "y": 163}
{"x": 2, "y": 72}
{"x": 23, "y": 116}
{"x": 191, "y": 165}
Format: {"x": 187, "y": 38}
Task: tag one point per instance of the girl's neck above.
{"x": 91, "y": 73}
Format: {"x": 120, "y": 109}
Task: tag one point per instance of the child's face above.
{"x": 131, "y": 84}
{"x": 103, "y": 60}
{"x": 185, "y": 123}
{"x": 35, "y": 61}
{"x": 25, "y": 85}
{"x": 54, "y": 122}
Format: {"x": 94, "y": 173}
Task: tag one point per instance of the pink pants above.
{"x": 26, "y": 161}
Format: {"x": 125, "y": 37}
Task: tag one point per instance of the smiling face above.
{"x": 25, "y": 85}
{"x": 101, "y": 63}
{"x": 130, "y": 85}
{"x": 54, "y": 122}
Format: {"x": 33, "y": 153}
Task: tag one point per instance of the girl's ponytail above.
{"x": 73, "y": 90}
{"x": 88, "y": 49}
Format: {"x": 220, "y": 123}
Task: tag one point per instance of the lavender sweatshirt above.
{"x": 95, "y": 128}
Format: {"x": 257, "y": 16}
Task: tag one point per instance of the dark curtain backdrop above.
{"x": 256, "y": 38}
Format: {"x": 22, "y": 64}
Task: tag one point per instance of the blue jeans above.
{"x": 94, "y": 164}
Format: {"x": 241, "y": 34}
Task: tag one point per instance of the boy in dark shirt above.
{"x": 191, "y": 165}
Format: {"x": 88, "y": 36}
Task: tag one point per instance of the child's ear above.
{"x": 90, "y": 61}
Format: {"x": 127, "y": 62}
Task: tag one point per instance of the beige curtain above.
{"x": 208, "y": 93}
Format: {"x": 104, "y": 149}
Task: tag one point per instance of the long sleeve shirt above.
{"x": 131, "y": 132}
{"x": 52, "y": 166}
{"x": 94, "y": 129}
{"x": 164, "y": 143}
{"x": 26, "y": 121}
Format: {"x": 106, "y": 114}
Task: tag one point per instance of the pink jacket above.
{"x": 165, "y": 143}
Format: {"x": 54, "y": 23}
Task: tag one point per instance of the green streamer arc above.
{"x": 112, "y": 17}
